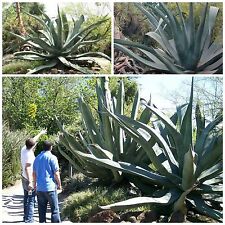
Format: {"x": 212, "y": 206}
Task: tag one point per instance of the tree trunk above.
{"x": 20, "y": 20}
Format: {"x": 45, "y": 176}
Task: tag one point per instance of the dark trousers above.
{"x": 28, "y": 202}
{"x": 44, "y": 198}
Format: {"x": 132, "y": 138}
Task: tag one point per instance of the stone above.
{"x": 106, "y": 216}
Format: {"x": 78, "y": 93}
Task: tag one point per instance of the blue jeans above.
{"x": 28, "y": 202}
{"x": 43, "y": 199}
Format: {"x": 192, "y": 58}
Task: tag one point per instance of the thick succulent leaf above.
{"x": 202, "y": 207}
{"x": 134, "y": 113}
{"x": 77, "y": 26}
{"x": 212, "y": 172}
{"x": 124, "y": 123}
{"x": 93, "y": 54}
{"x": 167, "y": 199}
{"x": 30, "y": 57}
{"x": 186, "y": 130}
{"x": 89, "y": 28}
{"x": 44, "y": 45}
{"x": 200, "y": 143}
{"x": 215, "y": 180}
{"x": 188, "y": 178}
{"x": 100, "y": 152}
{"x": 27, "y": 53}
{"x": 89, "y": 123}
{"x": 119, "y": 110}
{"x": 73, "y": 144}
{"x": 169, "y": 125}
{"x": 73, "y": 163}
{"x": 76, "y": 67}
{"x": 105, "y": 122}
{"x": 212, "y": 156}
{"x": 213, "y": 198}
{"x": 49, "y": 64}
{"x": 151, "y": 177}
{"x": 135, "y": 106}
{"x": 170, "y": 66}
{"x": 205, "y": 188}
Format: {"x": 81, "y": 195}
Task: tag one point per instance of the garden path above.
{"x": 12, "y": 205}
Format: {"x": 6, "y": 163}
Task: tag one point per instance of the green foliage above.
{"x": 186, "y": 172}
{"x": 12, "y": 142}
{"x": 60, "y": 41}
{"x": 10, "y": 43}
{"x": 102, "y": 137}
{"x": 185, "y": 46}
{"x": 19, "y": 66}
{"x": 217, "y": 32}
{"x": 78, "y": 182}
{"x": 52, "y": 96}
{"x": 130, "y": 22}
{"x": 80, "y": 206}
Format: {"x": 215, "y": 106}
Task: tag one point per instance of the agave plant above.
{"x": 102, "y": 137}
{"x": 183, "y": 173}
{"x": 60, "y": 42}
{"x": 184, "y": 45}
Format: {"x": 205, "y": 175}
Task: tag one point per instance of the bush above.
{"x": 78, "y": 182}
{"x": 10, "y": 42}
{"x": 12, "y": 142}
{"x": 80, "y": 206}
{"x": 19, "y": 66}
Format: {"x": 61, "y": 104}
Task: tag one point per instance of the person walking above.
{"x": 27, "y": 158}
{"x": 46, "y": 182}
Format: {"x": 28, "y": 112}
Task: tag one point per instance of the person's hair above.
{"x": 47, "y": 145}
{"x": 30, "y": 143}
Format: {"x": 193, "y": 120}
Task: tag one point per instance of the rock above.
{"x": 71, "y": 72}
{"x": 127, "y": 215}
{"x": 177, "y": 217}
{"x": 54, "y": 71}
{"x": 150, "y": 216}
{"x": 132, "y": 219}
{"x": 163, "y": 219}
{"x": 106, "y": 216}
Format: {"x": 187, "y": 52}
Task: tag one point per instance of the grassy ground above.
{"x": 87, "y": 196}
{"x": 12, "y": 66}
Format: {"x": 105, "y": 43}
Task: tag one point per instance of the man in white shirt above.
{"x": 27, "y": 160}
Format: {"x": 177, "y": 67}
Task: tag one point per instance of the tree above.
{"x": 20, "y": 19}
{"x": 208, "y": 92}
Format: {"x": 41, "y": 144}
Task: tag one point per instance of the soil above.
{"x": 109, "y": 216}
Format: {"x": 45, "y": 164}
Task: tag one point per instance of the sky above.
{"x": 51, "y": 7}
{"x": 160, "y": 87}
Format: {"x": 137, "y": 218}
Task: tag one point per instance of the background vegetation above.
{"x": 30, "y": 104}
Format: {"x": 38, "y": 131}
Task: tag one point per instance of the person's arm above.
{"x": 39, "y": 135}
{"x": 28, "y": 170}
{"x": 58, "y": 180}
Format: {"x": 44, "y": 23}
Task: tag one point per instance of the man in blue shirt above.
{"x": 47, "y": 180}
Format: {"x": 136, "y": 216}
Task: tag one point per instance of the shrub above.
{"x": 80, "y": 206}
{"x": 12, "y": 142}
{"x": 19, "y": 67}
{"x": 11, "y": 43}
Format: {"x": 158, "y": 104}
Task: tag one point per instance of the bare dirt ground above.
{"x": 12, "y": 205}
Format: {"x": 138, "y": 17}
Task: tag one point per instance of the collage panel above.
{"x": 56, "y": 38}
{"x": 112, "y": 112}
{"x": 168, "y": 38}
{"x": 121, "y": 142}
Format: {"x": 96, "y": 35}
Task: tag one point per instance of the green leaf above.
{"x": 49, "y": 64}
{"x": 76, "y": 67}
{"x": 202, "y": 207}
{"x": 167, "y": 199}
